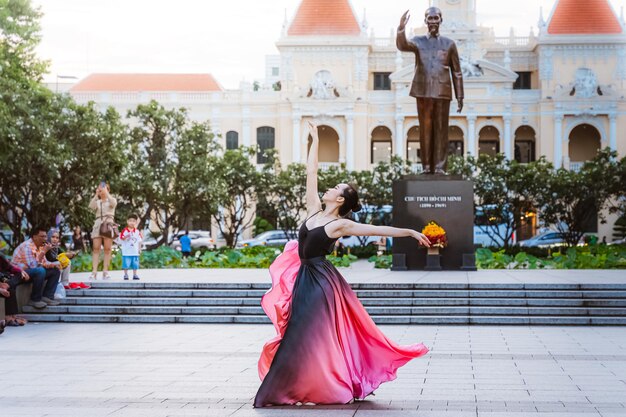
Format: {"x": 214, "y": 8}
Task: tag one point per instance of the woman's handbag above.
{"x": 108, "y": 228}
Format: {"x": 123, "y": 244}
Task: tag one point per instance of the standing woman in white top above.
{"x": 103, "y": 204}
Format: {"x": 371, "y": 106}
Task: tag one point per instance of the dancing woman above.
{"x": 327, "y": 349}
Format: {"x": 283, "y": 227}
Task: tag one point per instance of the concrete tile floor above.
{"x": 156, "y": 370}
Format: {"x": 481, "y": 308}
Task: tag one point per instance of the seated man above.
{"x": 31, "y": 257}
{"x": 10, "y": 277}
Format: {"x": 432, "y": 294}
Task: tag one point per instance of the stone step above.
{"x": 431, "y": 293}
{"x": 516, "y": 320}
{"x": 374, "y": 311}
{"x": 363, "y": 286}
{"x": 233, "y": 301}
{"x": 186, "y": 293}
{"x": 410, "y": 303}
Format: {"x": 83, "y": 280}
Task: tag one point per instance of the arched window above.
{"x": 525, "y": 144}
{"x": 381, "y": 145}
{"x": 328, "y": 145}
{"x": 584, "y": 143}
{"x": 264, "y": 140}
{"x": 232, "y": 140}
{"x": 489, "y": 141}
{"x": 413, "y": 145}
{"x": 455, "y": 141}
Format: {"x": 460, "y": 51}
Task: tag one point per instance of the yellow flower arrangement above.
{"x": 436, "y": 234}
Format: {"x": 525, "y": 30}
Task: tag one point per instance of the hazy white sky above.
{"x": 228, "y": 38}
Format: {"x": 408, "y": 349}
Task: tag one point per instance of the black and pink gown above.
{"x": 327, "y": 349}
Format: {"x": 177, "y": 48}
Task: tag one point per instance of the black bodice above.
{"x": 315, "y": 242}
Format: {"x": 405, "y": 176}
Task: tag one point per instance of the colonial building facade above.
{"x": 557, "y": 91}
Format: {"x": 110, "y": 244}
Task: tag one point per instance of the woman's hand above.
{"x": 421, "y": 238}
{"x": 25, "y": 276}
{"x": 313, "y": 130}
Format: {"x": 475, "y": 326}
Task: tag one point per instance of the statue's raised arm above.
{"x": 401, "y": 42}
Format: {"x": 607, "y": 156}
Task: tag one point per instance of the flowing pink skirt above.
{"x": 327, "y": 349}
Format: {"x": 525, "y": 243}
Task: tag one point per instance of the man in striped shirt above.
{"x": 30, "y": 256}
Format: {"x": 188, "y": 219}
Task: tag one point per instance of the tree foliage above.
{"x": 574, "y": 199}
{"x": 53, "y": 152}
{"x": 284, "y": 190}
{"x": 167, "y": 172}
{"x": 236, "y": 180}
{"x": 504, "y": 191}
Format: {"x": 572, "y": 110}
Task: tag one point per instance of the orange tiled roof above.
{"x": 148, "y": 82}
{"x": 583, "y": 17}
{"x": 324, "y": 17}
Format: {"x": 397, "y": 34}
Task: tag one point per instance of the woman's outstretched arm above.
{"x": 350, "y": 228}
{"x": 313, "y": 204}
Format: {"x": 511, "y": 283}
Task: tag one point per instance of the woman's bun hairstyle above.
{"x": 351, "y": 201}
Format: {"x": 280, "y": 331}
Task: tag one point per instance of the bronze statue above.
{"x": 435, "y": 58}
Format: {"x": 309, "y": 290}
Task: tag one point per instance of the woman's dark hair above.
{"x": 351, "y": 201}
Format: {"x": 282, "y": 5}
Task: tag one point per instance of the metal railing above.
{"x": 327, "y": 165}
{"x": 512, "y": 41}
{"x": 576, "y": 166}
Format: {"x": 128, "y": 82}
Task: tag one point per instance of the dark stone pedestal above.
{"x": 433, "y": 263}
{"x": 444, "y": 199}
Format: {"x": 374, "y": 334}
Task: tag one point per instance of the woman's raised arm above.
{"x": 313, "y": 204}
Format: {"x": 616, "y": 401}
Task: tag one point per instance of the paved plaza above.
{"x": 155, "y": 370}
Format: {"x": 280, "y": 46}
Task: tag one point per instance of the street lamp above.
{"x": 63, "y": 77}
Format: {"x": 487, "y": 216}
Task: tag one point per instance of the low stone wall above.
{"x": 23, "y": 295}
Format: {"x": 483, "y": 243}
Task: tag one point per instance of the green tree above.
{"x": 167, "y": 176}
{"x": 504, "y": 190}
{"x": 19, "y": 37}
{"x": 574, "y": 199}
{"x": 331, "y": 176}
{"x": 194, "y": 183}
{"x": 53, "y": 153}
{"x": 617, "y": 187}
{"x": 284, "y": 190}
{"x": 236, "y": 181}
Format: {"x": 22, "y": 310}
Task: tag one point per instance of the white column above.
{"x": 508, "y": 148}
{"x": 471, "y": 135}
{"x": 558, "y": 140}
{"x": 245, "y": 124}
{"x": 349, "y": 142}
{"x": 295, "y": 154}
{"x": 613, "y": 132}
{"x": 215, "y": 121}
{"x": 247, "y": 141}
{"x": 399, "y": 145}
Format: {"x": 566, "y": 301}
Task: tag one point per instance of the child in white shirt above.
{"x": 130, "y": 241}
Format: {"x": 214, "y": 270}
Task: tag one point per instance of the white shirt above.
{"x": 130, "y": 241}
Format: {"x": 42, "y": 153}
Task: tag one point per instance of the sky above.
{"x": 227, "y": 38}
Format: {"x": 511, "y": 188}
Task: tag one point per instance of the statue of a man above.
{"x": 436, "y": 57}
